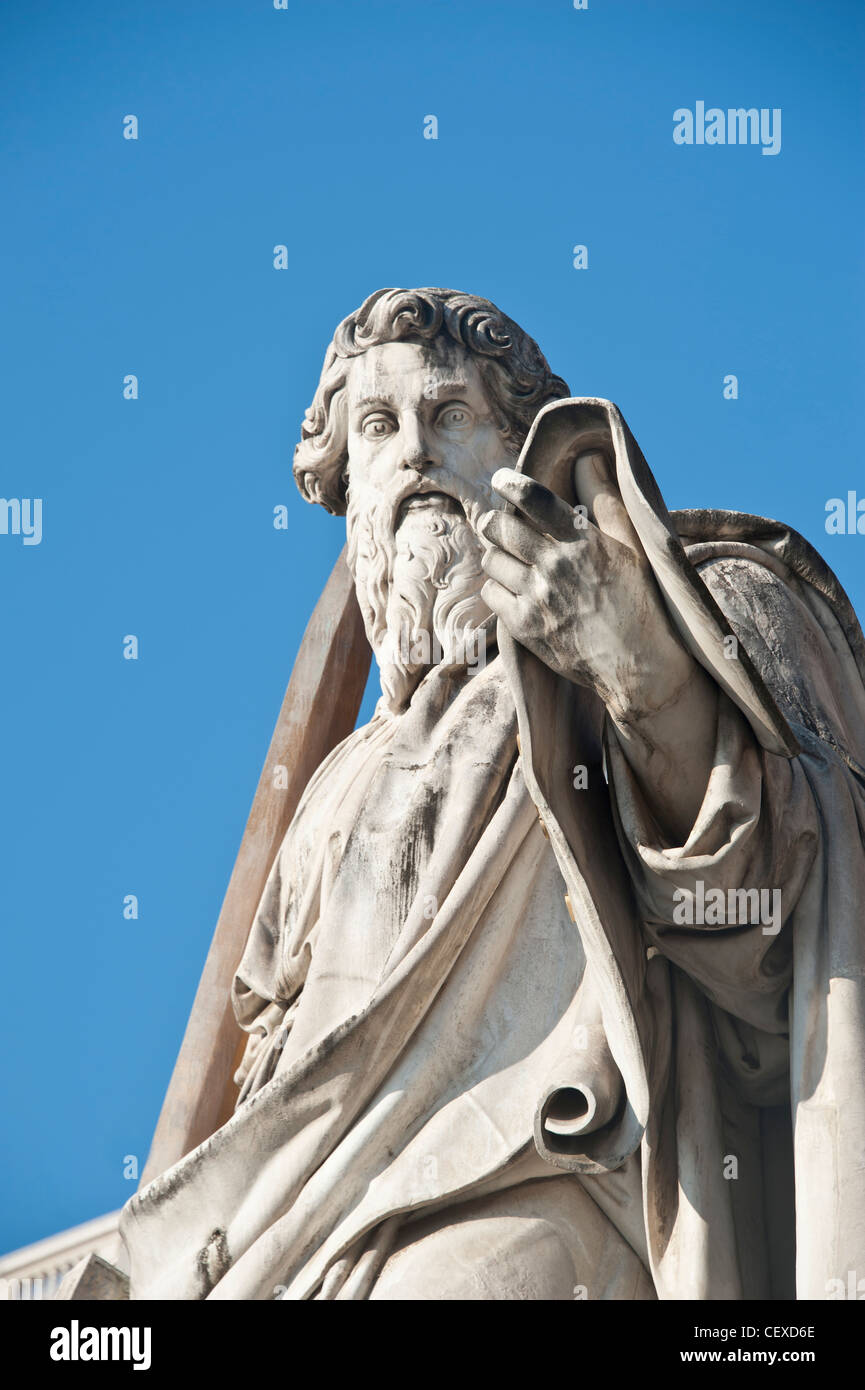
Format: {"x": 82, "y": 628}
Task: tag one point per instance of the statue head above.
{"x": 423, "y": 395}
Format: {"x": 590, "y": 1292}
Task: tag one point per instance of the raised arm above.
{"x": 585, "y": 601}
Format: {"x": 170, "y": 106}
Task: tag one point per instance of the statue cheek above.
{"x": 470, "y": 459}
{"x": 377, "y": 465}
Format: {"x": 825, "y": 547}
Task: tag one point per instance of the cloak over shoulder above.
{"x": 784, "y": 812}
{"x": 423, "y": 959}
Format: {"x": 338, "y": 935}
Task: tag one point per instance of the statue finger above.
{"x": 505, "y": 605}
{"x": 508, "y": 571}
{"x": 510, "y": 533}
{"x": 547, "y": 512}
{"x": 596, "y": 490}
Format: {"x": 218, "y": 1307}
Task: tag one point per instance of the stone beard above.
{"x": 486, "y": 1058}
{"x": 417, "y": 570}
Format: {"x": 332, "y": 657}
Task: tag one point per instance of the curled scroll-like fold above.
{"x": 578, "y": 1113}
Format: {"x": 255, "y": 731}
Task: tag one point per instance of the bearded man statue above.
{"x": 556, "y": 987}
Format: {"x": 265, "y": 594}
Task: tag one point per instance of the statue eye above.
{"x": 377, "y": 427}
{"x": 455, "y": 417}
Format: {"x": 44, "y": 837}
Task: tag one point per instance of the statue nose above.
{"x": 416, "y": 451}
{"x": 416, "y": 461}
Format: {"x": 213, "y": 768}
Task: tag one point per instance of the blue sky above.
{"x": 155, "y": 257}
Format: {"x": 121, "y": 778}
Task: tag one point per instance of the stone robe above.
{"x": 420, "y": 994}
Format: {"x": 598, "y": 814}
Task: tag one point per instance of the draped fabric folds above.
{"x": 415, "y": 982}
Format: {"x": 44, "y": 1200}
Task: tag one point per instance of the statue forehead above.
{"x": 406, "y": 369}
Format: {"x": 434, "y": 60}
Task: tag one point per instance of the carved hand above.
{"x": 585, "y": 601}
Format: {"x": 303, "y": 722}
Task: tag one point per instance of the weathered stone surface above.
{"x": 94, "y": 1280}
{"x": 319, "y": 709}
{"x": 556, "y": 984}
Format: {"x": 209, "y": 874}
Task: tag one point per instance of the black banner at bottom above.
{"x": 82, "y": 1339}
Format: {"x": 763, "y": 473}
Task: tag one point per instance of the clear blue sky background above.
{"x": 154, "y": 257}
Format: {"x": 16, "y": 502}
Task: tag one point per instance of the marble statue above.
{"x": 556, "y": 989}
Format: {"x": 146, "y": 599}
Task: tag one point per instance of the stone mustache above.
{"x": 486, "y": 1058}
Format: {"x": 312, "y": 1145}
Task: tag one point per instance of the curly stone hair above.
{"x": 515, "y": 373}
